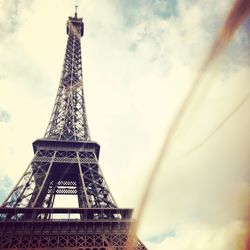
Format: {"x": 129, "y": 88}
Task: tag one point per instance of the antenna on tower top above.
{"x": 76, "y": 11}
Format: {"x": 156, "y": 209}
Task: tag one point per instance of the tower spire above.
{"x": 69, "y": 119}
{"x": 76, "y": 6}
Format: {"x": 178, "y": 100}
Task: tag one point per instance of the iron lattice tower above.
{"x": 65, "y": 162}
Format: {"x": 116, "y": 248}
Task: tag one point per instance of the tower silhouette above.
{"x": 65, "y": 162}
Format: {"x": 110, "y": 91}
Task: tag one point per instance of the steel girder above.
{"x": 30, "y": 228}
{"x": 62, "y": 171}
{"x": 68, "y": 241}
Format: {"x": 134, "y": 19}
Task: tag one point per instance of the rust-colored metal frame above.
{"x": 98, "y": 229}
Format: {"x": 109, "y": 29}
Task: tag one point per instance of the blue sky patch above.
{"x": 131, "y": 10}
{"x": 160, "y": 237}
{"x": 164, "y": 9}
{"x": 4, "y": 116}
{"x": 5, "y": 187}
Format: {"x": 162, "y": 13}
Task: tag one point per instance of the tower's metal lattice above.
{"x": 65, "y": 162}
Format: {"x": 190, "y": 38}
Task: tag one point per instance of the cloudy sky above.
{"x": 139, "y": 60}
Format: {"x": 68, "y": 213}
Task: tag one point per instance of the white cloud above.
{"x": 196, "y": 236}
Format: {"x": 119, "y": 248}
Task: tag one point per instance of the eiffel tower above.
{"x": 65, "y": 162}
